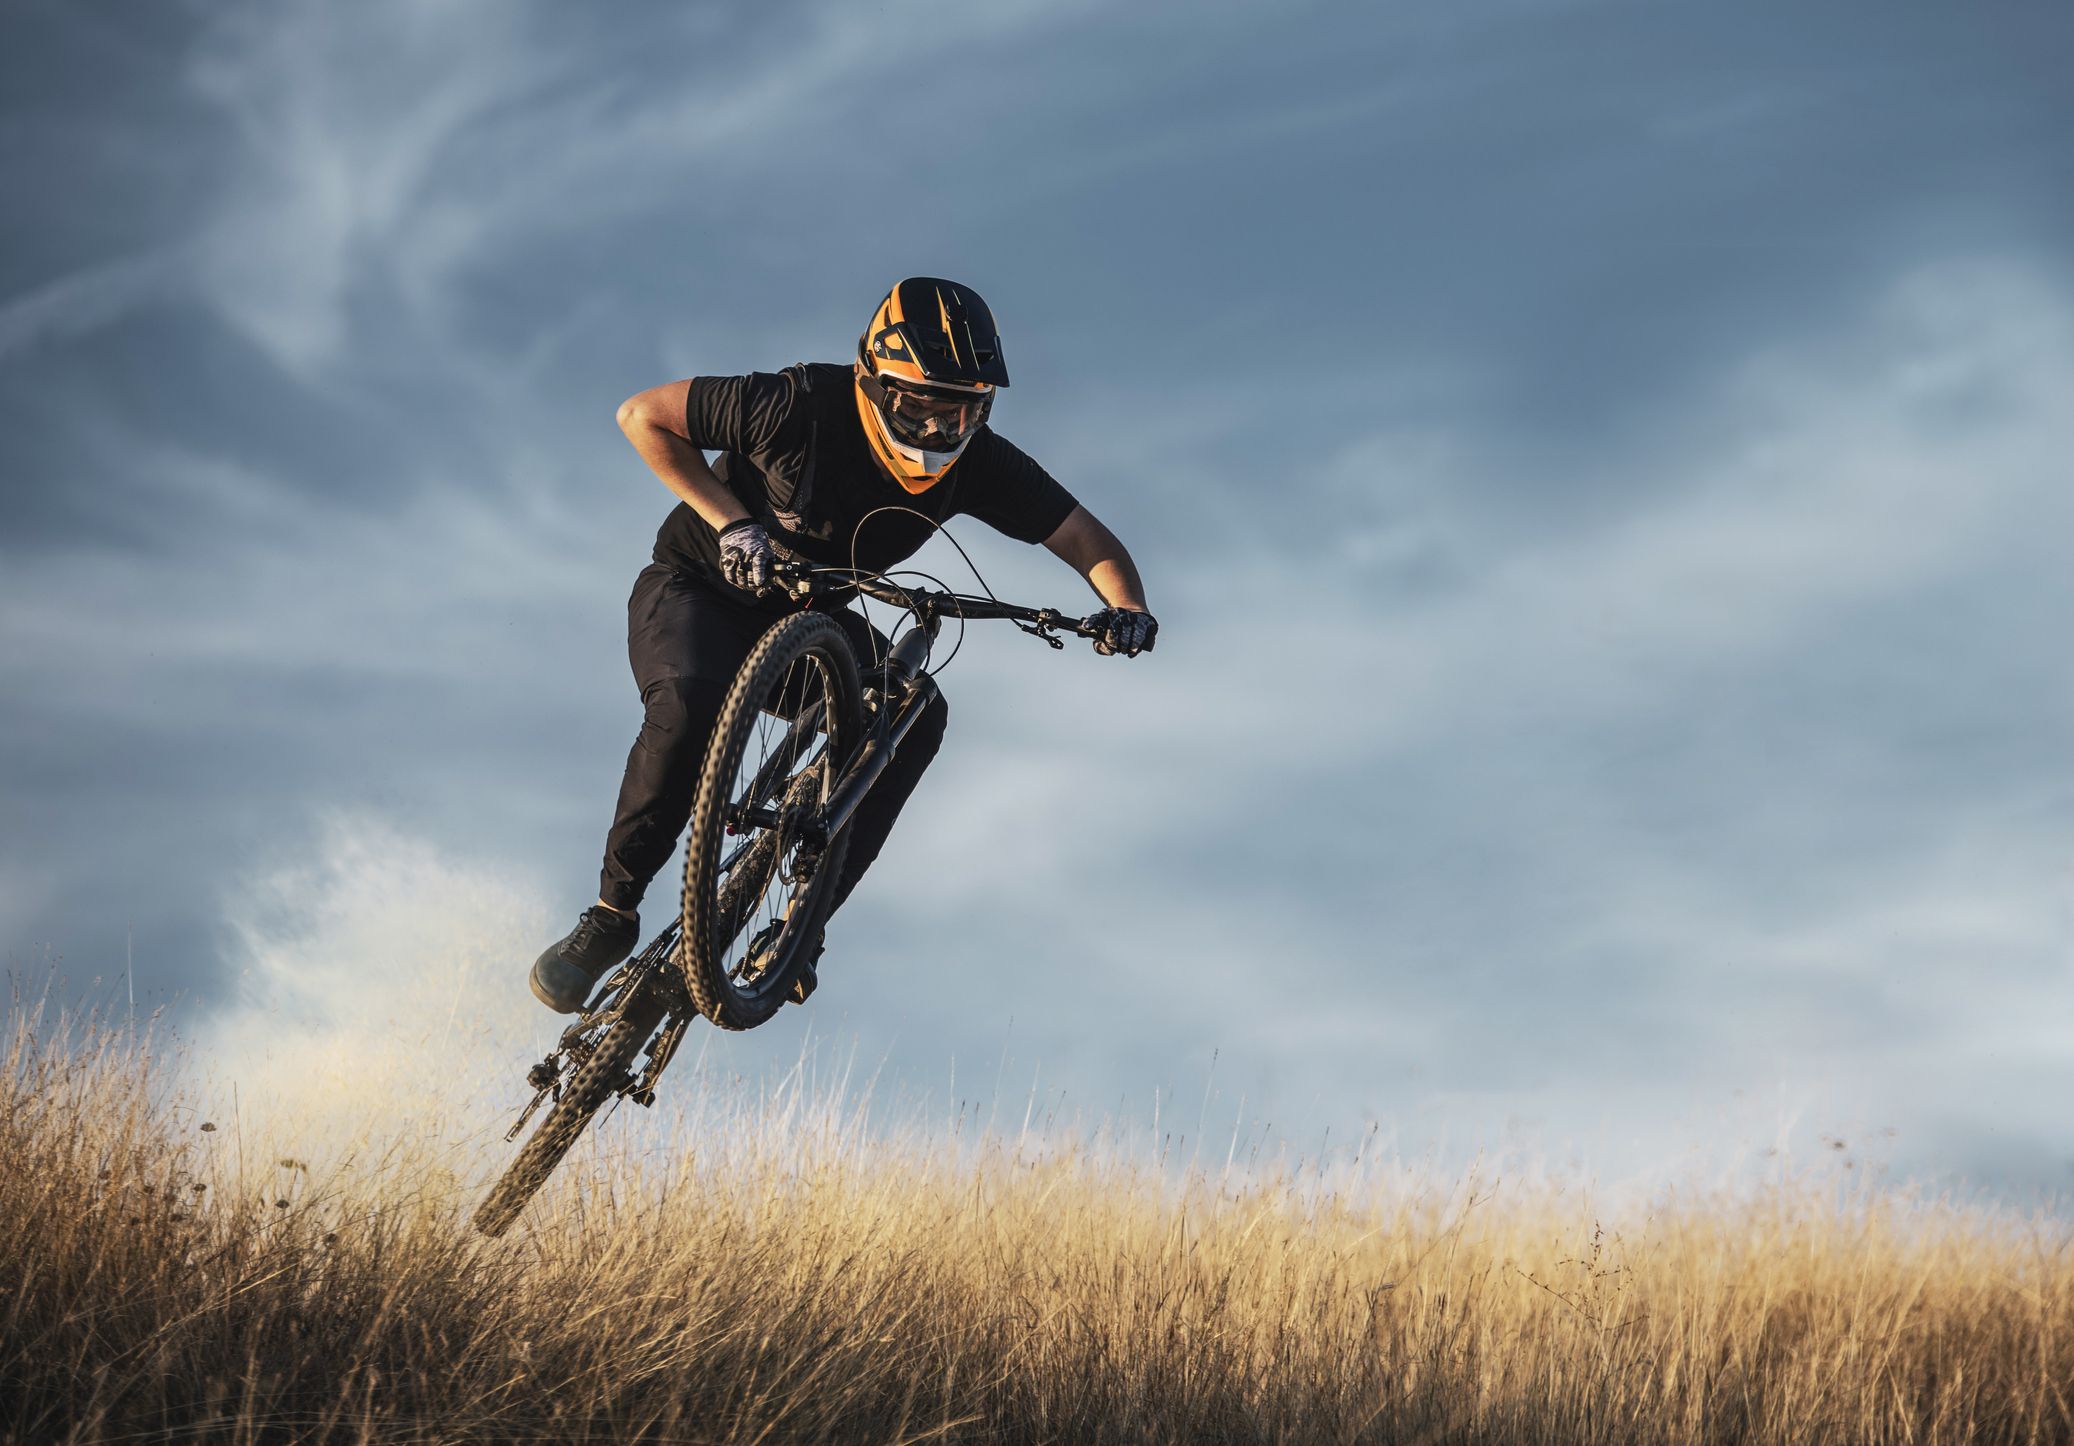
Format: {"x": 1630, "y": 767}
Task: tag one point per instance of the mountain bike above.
{"x": 805, "y": 734}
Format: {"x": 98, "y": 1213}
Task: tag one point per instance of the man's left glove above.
{"x": 746, "y": 555}
{"x": 1120, "y": 630}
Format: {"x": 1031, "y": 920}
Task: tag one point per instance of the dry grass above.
{"x": 817, "y": 1286}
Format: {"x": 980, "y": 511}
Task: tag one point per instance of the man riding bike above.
{"x": 844, "y": 467}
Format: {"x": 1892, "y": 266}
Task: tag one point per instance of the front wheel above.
{"x": 757, "y": 888}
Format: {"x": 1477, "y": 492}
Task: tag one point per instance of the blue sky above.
{"x": 1601, "y": 470}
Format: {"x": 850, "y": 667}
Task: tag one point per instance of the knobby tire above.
{"x": 588, "y": 1088}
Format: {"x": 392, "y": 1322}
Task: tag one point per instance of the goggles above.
{"x": 930, "y": 418}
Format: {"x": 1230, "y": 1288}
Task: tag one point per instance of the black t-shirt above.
{"x": 793, "y": 451}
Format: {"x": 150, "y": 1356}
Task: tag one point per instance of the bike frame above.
{"x": 905, "y": 690}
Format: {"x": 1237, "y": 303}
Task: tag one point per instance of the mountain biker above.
{"x": 842, "y": 466}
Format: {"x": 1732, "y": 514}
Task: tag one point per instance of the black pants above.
{"x": 686, "y": 640}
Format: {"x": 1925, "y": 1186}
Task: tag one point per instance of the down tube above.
{"x": 875, "y": 755}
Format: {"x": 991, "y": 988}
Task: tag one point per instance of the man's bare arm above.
{"x": 1093, "y": 551}
{"x": 654, "y": 422}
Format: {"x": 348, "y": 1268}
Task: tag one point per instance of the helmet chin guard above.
{"x": 916, "y": 468}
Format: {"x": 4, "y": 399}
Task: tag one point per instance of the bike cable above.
{"x": 855, "y": 571}
{"x": 888, "y": 579}
{"x": 970, "y": 566}
{"x": 946, "y": 587}
{"x": 943, "y": 532}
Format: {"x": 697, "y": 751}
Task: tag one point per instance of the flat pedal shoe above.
{"x": 566, "y": 972}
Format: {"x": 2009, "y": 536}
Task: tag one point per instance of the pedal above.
{"x": 807, "y": 981}
{"x": 756, "y": 954}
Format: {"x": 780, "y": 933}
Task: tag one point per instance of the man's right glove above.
{"x": 1123, "y": 631}
{"x": 746, "y": 555}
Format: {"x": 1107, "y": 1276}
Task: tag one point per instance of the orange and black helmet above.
{"x": 927, "y": 367}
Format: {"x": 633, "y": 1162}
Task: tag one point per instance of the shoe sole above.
{"x": 540, "y": 993}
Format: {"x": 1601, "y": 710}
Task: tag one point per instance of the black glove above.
{"x": 1121, "y": 630}
{"x": 746, "y": 555}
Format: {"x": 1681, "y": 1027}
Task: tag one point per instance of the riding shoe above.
{"x": 565, "y": 974}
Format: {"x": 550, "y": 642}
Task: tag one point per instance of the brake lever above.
{"x": 1040, "y": 630}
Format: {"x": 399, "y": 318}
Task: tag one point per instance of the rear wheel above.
{"x": 757, "y": 888}
{"x": 596, "y": 1080}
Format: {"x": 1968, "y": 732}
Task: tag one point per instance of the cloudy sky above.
{"x": 1602, "y": 471}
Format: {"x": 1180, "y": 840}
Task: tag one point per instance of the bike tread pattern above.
{"x": 588, "y": 1088}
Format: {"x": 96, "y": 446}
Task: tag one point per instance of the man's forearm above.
{"x": 684, "y": 470}
{"x": 1115, "y": 580}
{"x": 681, "y": 466}
{"x": 1096, "y": 553}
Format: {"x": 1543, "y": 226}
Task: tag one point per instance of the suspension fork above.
{"x": 917, "y": 690}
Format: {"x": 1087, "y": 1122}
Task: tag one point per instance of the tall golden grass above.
{"x": 812, "y": 1282}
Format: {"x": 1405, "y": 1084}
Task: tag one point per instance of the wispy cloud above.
{"x": 1830, "y": 476}
{"x": 398, "y": 145}
{"x": 90, "y": 297}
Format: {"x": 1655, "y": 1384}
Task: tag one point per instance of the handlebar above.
{"x": 803, "y": 581}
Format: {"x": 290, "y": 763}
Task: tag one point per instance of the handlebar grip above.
{"x": 1086, "y": 628}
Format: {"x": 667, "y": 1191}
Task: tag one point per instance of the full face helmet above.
{"x": 927, "y": 367}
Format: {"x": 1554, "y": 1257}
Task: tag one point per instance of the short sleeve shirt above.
{"x": 792, "y": 449}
